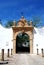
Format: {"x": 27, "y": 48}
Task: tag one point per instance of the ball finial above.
{"x": 31, "y": 22}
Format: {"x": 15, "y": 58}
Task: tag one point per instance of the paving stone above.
{"x": 26, "y": 59}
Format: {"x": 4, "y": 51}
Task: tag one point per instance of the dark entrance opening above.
{"x": 22, "y": 43}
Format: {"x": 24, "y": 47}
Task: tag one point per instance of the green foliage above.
{"x": 22, "y": 38}
{"x": 9, "y": 24}
{"x": 0, "y": 22}
{"x": 36, "y": 21}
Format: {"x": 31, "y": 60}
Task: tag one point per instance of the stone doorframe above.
{"x": 27, "y": 30}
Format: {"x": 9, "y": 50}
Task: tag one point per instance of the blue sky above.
{"x": 11, "y": 9}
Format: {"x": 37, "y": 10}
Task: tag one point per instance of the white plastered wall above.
{"x": 6, "y": 37}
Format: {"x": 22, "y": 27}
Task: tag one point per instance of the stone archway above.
{"x": 22, "y": 26}
{"x": 22, "y": 43}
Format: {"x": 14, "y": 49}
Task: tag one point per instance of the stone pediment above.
{"x": 22, "y": 22}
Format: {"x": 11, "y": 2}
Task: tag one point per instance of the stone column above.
{"x": 8, "y": 53}
{"x": 31, "y": 46}
{"x": 14, "y": 46}
{"x": 2, "y": 54}
{"x": 31, "y": 42}
{"x": 14, "y": 42}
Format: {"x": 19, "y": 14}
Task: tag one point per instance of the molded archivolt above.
{"x": 22, "y": 43}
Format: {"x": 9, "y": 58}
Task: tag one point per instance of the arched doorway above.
{"x": 22, "y": 43}
{"x": 18, "y": 28}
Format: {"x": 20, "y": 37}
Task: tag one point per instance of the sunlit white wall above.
{"x": 38, "y": 41}
{"x": 6, "y": 37}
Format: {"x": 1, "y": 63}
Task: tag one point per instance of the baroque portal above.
{"x": 23, "y": 28}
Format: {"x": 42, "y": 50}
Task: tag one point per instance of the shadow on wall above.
{"x": 34, "y": 31}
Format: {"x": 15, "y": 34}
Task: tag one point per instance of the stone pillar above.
{"x": 31, "y": 42}
{"x": 14, "y": 46}
{"x": 2, "y": 54}
{"x": 37, "y": 51}
{"x": 14, "y": 42}
{"x": 31, "y": 46}
{"x": 11, "y": 51}
{"x": 8, "y": 53}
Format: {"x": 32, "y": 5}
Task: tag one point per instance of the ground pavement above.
{"x": 25, "y": 59}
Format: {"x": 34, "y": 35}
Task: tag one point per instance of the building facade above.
{"x": 9, "y": 37}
